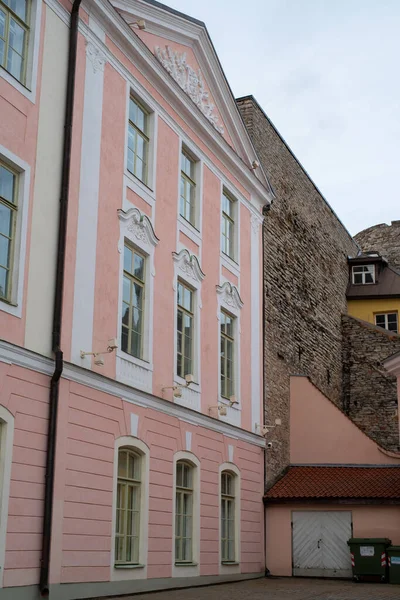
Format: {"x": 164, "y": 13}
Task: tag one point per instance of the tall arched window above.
{"x": 184, "y": 513}
{"x": 127, "y": 529}
{"x": 228, "y": 537}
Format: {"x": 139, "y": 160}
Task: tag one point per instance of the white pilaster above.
{"x": 85, "y": 271}
{"x": 256, "y": 291}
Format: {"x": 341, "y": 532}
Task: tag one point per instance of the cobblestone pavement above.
{"x": 281, "y": 589}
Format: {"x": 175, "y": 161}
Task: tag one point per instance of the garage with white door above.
{"x": 319, "y": 542}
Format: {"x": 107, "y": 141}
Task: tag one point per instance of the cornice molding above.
{"x": 189, "y": 265}
{"x": 30, "y": 360}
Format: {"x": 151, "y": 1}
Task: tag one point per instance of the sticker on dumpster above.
{"x": 395, "y": 560}
{"x": 367, "y": 550}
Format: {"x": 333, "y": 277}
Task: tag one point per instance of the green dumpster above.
{"x": 369, "y": 558}
{"x": 394, "y": 564}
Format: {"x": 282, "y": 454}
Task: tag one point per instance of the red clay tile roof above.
{"x": 337, "y": 482}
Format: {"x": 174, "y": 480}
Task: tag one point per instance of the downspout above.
{"x": 58, "y": 302}
{"x": 266, "y": 209}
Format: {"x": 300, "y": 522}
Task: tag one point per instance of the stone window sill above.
{"x": 186, "y": 564}
{"x": 129, "y": 566}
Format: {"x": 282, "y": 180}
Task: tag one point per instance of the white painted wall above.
{"x": 44, "y": 228}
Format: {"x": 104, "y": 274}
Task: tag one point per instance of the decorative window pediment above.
{"x": 138, "y": 227}
{"x": 188, "y": 265}
{"x": 229, "y": 296}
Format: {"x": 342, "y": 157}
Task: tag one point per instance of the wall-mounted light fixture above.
{"x": 265, "y": 429}
{"x": 98, "y": 356}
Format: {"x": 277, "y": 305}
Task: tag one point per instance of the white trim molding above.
{"x": 86, "y": 243}
{"x": 256, "y": 287}
{"x": 136, "y": 571}
{"x": 392, "y": 364}
{"x": 16, "y": 355}
{"x": 229, "y": 569}
{"x": 18, "y": 268}
{"x": 137, "y": 228}
{"x": 192, "y": 570}
{"x": 6, "y": 451}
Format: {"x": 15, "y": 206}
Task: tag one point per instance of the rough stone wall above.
{"x": 369, "y": 391}
{"x": 306, "y": 275}
{"x": 384, "y": 239}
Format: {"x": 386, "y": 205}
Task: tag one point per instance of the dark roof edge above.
{"x": 175, "y": 12}
{"x": 251, "y": 97}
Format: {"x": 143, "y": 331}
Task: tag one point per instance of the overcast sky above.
{"x": 327, "y": 73}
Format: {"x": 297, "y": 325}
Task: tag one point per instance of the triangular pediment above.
{"x": 183, "y": 47}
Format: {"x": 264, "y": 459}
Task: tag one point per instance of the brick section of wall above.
{"x": 306, "y": 276}
{"x": 384, "y": 239}
{"x": 369, "y": 392}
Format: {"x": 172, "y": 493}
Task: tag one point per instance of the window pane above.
{"x": 122, "y": 464}
{"x": 19, "y": 7}
{"x": 127, "y": 259}
{"x": 133, "y": 111}
{"x": 16, "y": 37}
{"x": 124, "y": 339}
{"x": 392, "y": 318}
{"x": 139, "y": 267}
{"x": 4, "y": 251}
{"x": 140, "y": 119}
{"x": 14, "y": 64}
{"x": 136, "y": 345}
{"x": 369, "y": 278}
{"x": 380, "y": 320}
{"x": 3, "y": 282}
{"x": 137, "y": 299}
{"x": 126, "y": 291}
{"x": 7, "y": 183}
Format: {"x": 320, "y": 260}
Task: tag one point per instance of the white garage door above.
{"x": 320, "y": 543}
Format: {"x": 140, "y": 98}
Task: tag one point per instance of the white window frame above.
{"x": 22, "y": 169}
{"x": 132, "y": 571}
{"x": 189, "y": 569}
{"x": 136, "y": 229}
{"x": 228, "y": 300}
{"x": 6, "y": 450}
{"x": 28, "y": 89}
{"x": 386, "y": 314}
{"x": 234, "y": 567}
{"x": 231, "y": 262}
{"x": 193, "y": 232}
{"x": 147, "y": 191}
{"x": 187, "y": 269}
{"x": 371, "y": 270}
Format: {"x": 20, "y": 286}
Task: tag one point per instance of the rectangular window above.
{"x": 363, "y": 274}
{"x": 387, "y": 321}
{"x": 14, "y": 33}
{"x": 227, "y": 355}
{"x": 188, "y": 188}
{"x": 227, "y": 226}
{"x": 185, "y": 317}
{"x": 127, "y": 526}
{"x": 138, "y": 140}
{"x": 8, "y": 218}
{"x": 227, "y": 517}
{"x": 133, "y": 302}
{"x": 184, "y": 512}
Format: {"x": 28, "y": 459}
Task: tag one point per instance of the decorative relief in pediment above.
{"x": 190, "y": 80}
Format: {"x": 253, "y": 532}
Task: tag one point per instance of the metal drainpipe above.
{"x": 58, "y": 302}
{"x": 266, "y": 209}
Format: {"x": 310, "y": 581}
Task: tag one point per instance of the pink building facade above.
{"x": 159, "y": 461}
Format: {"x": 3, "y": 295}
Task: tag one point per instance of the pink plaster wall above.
{"x": 321, "y": 433}
{"x": 18, "y": 133}
{"x": 82, "y": 520}
{"x": 368, "y": 521}
{"x": 25, "y": 394}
